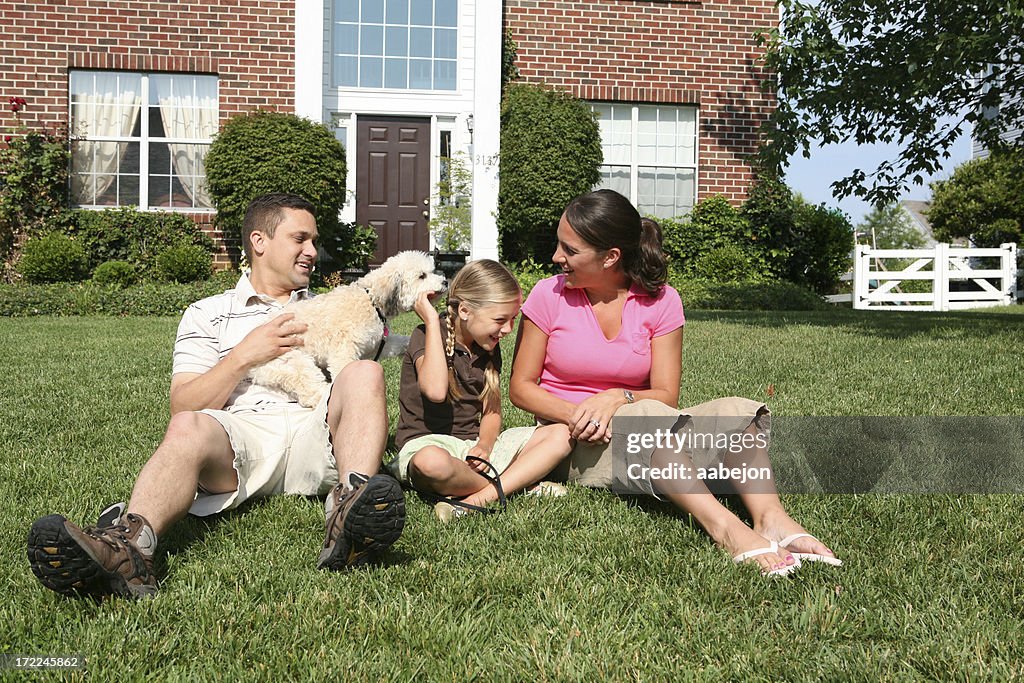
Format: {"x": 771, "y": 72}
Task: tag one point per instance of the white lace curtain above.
{"x": 102, "y": 105}
{"x": 188, "y": 109}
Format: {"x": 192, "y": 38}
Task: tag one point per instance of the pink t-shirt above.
{"x": 580, "y": 361}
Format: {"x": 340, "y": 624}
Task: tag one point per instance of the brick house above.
{"x": 403, "y": 83}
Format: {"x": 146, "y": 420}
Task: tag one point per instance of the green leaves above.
{"x": 550, "y": 153}
{"x": 888, "y": 72}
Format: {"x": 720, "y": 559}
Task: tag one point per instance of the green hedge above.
{"x": 92, "y": 298}
{"x": 745, "y": 296}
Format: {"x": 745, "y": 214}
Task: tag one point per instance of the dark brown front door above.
{"x": 392, "y": 182}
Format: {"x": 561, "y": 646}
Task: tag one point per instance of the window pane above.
{"x": 445, "y": 43}
{"x": 345, "y": 71}
{"x": 446, "y": 13}
{"x": 647, "y": 136}
{"x": 396, "y": 42}
{"x": 373, "y": 12}
{"x": 420, "y": 42}
{"x": 371, "y": 72}
{"x": 422, "y": 13}
{"x": 371, "y": 40}
{"x": 346, "y": 10}
{"x": 614, "y": 178}
{"x": 419, "y": 74}
{"x": 398, "y": 11}
{"x": 346, "y": 39}
{"x": 444, "y": 75}
{"x": 396, "y": 73}
{"x": 665, "y": 192}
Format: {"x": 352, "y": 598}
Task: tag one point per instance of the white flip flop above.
{"x": 773, "y": 548}
{"x": 810, "y": 557}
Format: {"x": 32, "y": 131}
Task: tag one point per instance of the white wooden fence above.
{"x": 991, "y": 275}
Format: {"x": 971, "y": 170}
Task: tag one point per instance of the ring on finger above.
{"x": 596, "y": 424}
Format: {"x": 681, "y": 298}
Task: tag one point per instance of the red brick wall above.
{"x": 249, "y": 44}
{"x": 692, "y": 52}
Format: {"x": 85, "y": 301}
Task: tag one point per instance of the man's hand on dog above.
{"x": 270, "y": 340}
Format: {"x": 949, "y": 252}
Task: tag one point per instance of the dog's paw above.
{"x": 311, "y": 398}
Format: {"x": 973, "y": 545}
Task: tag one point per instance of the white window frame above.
{"x": 634, "y": 154}
{"x": 333, "y": 54}
{"x": 144, "y": 140}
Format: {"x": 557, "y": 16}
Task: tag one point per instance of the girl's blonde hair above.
{"x": 479, "y": 284}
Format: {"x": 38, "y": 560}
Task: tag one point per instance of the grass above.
{"x": 579, "y": 588}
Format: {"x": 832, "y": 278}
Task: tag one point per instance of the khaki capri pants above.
{"x": 593, "y": 465}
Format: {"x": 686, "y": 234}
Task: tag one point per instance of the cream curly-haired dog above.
{"x": 348, "y": 323}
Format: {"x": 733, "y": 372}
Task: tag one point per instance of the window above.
{"x": 395, "y": 44}
{"x": 650, "y": 155}
{"x": 141, "y": 139}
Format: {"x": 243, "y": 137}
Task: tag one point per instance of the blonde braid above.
{"x": 449, "y": 351}
{"x": 491, "y": 395}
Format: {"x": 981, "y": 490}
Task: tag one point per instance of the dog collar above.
{"x": 384, "y": 324}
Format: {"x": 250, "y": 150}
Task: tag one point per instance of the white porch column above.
{"x": 486, "y": 112}
{"x": 310, "y": 45}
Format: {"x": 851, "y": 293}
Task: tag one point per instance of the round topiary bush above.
{"x": 550, "y": 153}
{"x": 184, "y": 263}
{"x": 53, "y": 258}
{"x": 119, "y": 273}
{"x": 254, "y": 154}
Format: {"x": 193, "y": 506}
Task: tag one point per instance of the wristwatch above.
{"x": 629, "y": 396}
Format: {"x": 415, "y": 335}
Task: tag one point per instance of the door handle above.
{"x": 426, "y": 214}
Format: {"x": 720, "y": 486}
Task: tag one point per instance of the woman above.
{"x": 603, "y": 340}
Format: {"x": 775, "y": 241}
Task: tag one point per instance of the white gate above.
{"x": 989, "y": 277}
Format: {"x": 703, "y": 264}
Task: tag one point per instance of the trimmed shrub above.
{"x": 53, "y": 258}
{"x": 254, "y": 154}
{"x": 528, "y": 273}
{"x": 184, "y": 263}
{"x": 728, "y": 263}
{"x": 714, "y": 243}
{"x": 744, "y": 296}
{"x": 117, "y": 273}
{"x": 127, "y": 234}
{"x": 92, "y": 298}
{"x": 550, "y": 153}
{"x": 820, "y": 248}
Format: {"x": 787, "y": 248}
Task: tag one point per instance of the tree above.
{"x": 983, "y": 200}
{"x": 262, "y": 152}
{"x": 890, "y": 227}
{"x": 887, "y": 71}
{"x": 550, "y": 153}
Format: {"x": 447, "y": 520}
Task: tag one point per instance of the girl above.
{"x": 450, "y": 400}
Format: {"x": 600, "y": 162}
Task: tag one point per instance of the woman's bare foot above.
{"x": 777, "y": 525}
{"x": 737, "y": 538}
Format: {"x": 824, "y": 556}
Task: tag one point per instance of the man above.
{"x": 230, "y": 440}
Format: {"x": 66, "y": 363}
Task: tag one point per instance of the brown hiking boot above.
{"x": 362, "y": 522}
{"x": 94, "y": 561}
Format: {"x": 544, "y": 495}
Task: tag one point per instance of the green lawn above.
{"x": 586, "y": 587}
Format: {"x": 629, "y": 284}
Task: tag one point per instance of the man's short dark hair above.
{"x": 265, "y": 213}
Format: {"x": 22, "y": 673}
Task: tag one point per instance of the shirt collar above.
{"x": 245, "y": 293}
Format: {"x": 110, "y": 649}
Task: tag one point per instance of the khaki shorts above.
{"x": 592, "y": 464}
{"x": 279, "y": 448}
{"x": 506, "y": 448}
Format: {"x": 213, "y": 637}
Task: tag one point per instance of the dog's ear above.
{"x": 385, "y": 285}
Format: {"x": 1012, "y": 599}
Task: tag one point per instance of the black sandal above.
{"x": 495, "y": 480}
